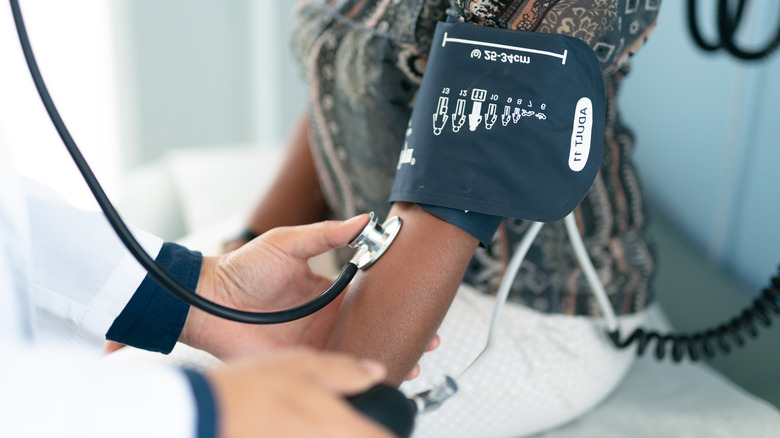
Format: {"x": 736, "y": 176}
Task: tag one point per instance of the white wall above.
{"x": 73, "y": 44}
{"x": 279, "y": 93}
{"x": 205, "y": 73}
{"x": 135, "y": 79}
{"x": 707, "y": 146}
{"x": 200, "y": 76}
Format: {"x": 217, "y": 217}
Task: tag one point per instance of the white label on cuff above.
{"x": 580, "y": 134}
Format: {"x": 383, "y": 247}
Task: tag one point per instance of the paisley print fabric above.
{"x": 363, "y": 61}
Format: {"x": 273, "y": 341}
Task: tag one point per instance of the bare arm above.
{"x": 393, "y": 309}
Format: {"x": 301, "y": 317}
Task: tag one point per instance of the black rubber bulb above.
{"x": 388, "y": 407}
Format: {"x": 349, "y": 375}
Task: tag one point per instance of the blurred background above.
{"x": 137, "y": 81}
{"x": 707, "y": 153}
{"x": 182, "y": 109}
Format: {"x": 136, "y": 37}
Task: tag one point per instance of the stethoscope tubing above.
{"x": 158, "y": 273}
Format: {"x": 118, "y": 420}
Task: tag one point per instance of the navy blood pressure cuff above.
{"x": 506, "y": 123}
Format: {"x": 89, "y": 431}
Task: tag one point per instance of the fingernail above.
{"x": 354, "y": 219}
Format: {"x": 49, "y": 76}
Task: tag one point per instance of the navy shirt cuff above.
{"x": 153, "y": 318}
{"x": 480, "y": 225}
{"x": 206, "y": 426}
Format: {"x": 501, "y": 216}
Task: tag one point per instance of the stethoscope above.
{"x": 384, "y": 403}
{"x": 728, "y": 23}
{"x": 371, "y": 243}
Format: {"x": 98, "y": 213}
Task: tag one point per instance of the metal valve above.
{"x": 374, "y": 240}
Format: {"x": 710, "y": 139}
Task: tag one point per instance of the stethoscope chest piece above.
{"x": 374, "y": 240}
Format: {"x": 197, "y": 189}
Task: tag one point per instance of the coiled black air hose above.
{"x": 711, "y": 341}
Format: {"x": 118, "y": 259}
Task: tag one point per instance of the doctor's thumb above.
{"x": 306, "y": 241}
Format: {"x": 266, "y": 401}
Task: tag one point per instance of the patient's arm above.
{"x": 393, "y": 309}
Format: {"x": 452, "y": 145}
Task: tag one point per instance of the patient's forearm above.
{"x": 393, "y": 309}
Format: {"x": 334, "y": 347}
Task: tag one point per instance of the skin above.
{"x": 299, "y": 392}
{"x": 391, "y": 311}
{"x": 394, "y": 308}
{"x": 294, "y": 198}
{"x": 295, "y": 393}
{"x": 282, "y": 280}
{"x": 278, "y": 388}
{"x": 269, "y": 273}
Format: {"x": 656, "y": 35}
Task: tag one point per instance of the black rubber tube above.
{"x": 708, "y": 342}
{"x": 727, "y": 25}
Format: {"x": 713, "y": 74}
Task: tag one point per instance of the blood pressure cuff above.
{"x": 506, "y": 123}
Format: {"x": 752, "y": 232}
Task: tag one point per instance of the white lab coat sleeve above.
{"x": 48, "y": 392}
{"x": 15, "y": 308}
{"x": 51, "y": 393}
{"x": 82, "y": 275}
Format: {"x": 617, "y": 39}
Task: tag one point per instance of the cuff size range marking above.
{"x": 507, "y": 123}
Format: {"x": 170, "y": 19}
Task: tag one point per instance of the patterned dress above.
{"x": 363, "y": 61}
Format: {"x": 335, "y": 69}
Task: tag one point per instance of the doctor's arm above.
{"x": 51, "y": 392}
{"x": 89, "y": 288}
{"x": 81, "y": 264}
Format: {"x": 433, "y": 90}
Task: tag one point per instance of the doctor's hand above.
{"x": 294, "y": 393}
{"x": 267, "y": 274}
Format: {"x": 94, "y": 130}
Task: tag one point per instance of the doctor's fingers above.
{"x": 333, "y": 372}
{"x": 295, "y": 392}
{"x": 342, "y": 374}
{"x": 337, "y": 419}
{"x": 306, "y": 241}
